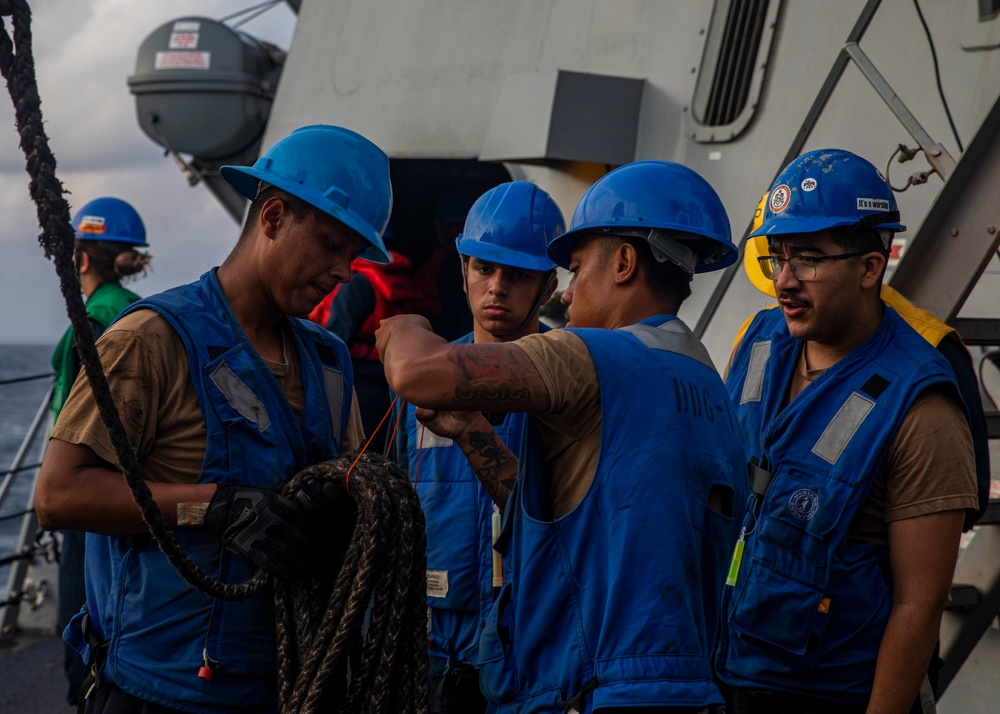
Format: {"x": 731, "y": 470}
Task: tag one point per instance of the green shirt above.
{"x": 103, "y": 307}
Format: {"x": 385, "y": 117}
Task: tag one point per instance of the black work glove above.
{"x": 264, "y": 526}
{"x": 327, "y": 503}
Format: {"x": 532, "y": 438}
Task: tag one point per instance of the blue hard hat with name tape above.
{"x": 829, "y": 188}
{"x": 645, "y": 195}
{"x": 512, "y": 224}
{"x": 333, "y": 169}
{"x": 112, "y": 220}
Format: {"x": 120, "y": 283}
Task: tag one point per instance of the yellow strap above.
{"x": 929, "y": 327}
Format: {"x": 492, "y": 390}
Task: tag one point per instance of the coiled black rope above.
{"x": 328, "y": 659}
{"x": 321, "y": 623}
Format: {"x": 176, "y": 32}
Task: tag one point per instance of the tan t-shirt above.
{"x": 929, "y": 467}
{"x": 147, "y": 369}
{"x": 571, "y": 430}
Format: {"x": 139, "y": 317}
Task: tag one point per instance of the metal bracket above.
{"x": 937, "y": 155}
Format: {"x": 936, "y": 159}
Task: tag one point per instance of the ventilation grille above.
{"x": 734, "y": 60}
{"x": 737, "y": 58}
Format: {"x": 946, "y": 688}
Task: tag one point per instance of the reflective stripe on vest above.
{"x": 673, "y": 336}
{"x": 753, "y": 386}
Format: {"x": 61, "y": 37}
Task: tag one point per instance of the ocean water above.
{"x": 18, "y": 405}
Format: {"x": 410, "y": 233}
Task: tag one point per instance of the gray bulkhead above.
{"x": 424, "y": 79}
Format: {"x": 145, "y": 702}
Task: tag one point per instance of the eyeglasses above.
{"x": 803, "y": 267}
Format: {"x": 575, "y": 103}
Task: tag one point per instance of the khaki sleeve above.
{"x": 568, "y": 371}
{"x": 931, "y": 463}
{"x": 571, "y": 429}
{"x": 130, "y": 364}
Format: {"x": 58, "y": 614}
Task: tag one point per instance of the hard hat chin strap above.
{"x": 533, "y": 312}
{"x": 886, "y": 236}
{"x": 664, "y": 247}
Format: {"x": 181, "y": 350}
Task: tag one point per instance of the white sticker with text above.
{"x": 873, "y": 204}
{"x": 437, "y": 583}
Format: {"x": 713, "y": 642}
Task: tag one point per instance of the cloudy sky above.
{"x": 84, "y": 52}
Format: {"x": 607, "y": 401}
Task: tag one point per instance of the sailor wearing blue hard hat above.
{"x": 862, "y": 462}
{"x": 226, "y": 393}
{"x": 504, "y": 243}
{"x": 507, "y": 276}
{"x": 108, "y": 232}
{"x": 334, "y": 170}
{"x": 620, "y": 511}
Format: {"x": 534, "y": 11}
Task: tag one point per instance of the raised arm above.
{"x": 428, "y": 371}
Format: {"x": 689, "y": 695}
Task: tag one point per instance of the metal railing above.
{"x": 24, "y": 551}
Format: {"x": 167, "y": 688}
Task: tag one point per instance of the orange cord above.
{"x": 395, "y": 427}
{"x": 420, "y": 446}
{"x": 347, "y": 478}
{"x": 392, "y": 439}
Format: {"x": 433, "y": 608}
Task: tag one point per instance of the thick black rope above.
{"x": 57, "y": 239}
{"x": 331, "y": 656}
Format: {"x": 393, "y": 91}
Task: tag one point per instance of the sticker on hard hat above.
{"x": 780, "y": 197}
{"x": 92, "y": 225}
{"x": 809, "y": 184}
{"x": 873, "y": 204}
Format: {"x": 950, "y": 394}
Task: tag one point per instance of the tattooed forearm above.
{"x": 484, "y": 361}
{"x": 493, "y": 463}
{"x": 492, "y": 393}
{"x": 498, "y": 376}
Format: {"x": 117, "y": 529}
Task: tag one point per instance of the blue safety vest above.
{"x": 459, "y": 515}
{"x": 617, "y": 602}
{"x": 808, "y": 609}
{"x": 159, "y": 626}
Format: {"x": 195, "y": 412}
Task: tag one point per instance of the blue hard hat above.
{"x": 332, "y": 169}
{"x": 636, "y": 198}
{"x": 829, "y": 188}
{"x": 112, "y": 220}
{"x": 511, "y": 224}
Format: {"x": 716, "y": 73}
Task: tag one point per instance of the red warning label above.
{"x": 183, "y": 40}
{"x": 182, "y": 60}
